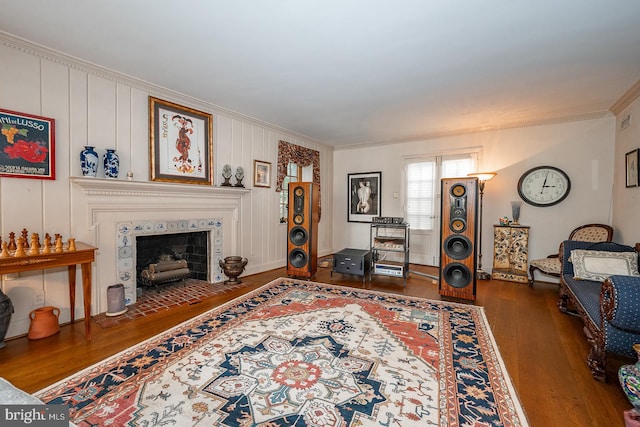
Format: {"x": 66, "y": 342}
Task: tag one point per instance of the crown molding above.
{"x": 625, "y": 100}
{"x": 70, "y": 61}
{"x": 489, "y": 128}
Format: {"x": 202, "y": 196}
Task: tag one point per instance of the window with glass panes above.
{"x": 423, "y": 178}
{"x": 294, "y": 172}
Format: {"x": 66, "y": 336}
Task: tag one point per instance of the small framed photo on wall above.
{"x": 364, "y": 196}
{"x": 261, "y": 174}
{"x": 631, "y": 168}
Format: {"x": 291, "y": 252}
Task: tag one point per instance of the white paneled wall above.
{"x": 93, "y": 106}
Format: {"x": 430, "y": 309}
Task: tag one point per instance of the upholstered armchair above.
{"x": 551, "y": 265}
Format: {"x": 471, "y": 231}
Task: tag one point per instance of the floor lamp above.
{"x": 483, "y": 177}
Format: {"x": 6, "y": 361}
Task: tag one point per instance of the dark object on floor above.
{"x": 6, "y": 310}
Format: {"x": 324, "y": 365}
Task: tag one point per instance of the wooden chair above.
{"x": 551, "y": 265}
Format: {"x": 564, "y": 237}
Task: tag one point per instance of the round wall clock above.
{"x": 544, "y": 186}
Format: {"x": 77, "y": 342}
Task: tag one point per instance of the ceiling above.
{"x": 345, "y": 72}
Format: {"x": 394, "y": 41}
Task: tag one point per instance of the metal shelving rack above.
{"x": 384, "y": 240}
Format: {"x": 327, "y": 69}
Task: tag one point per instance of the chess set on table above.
{"x": 23, "y": 246}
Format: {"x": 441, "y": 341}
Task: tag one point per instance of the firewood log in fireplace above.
{"x": 165, "y": 272}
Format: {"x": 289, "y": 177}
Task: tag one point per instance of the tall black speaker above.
{"x": 302, "y": 230}
{"x": 459, "y": 221}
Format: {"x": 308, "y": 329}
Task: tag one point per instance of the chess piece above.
{"x": 58, "y": 243}
{"x": 37, "y": 239}
{"x": 34, "y": 249}
{"x": 47, "y": 244}
{"x": 25, "y": 238}
{"x": 35, "y": 245}
{"x": 20, "y": 248}
{"x": 72, "y": 244}
{"x": 12, "y": 241}
{"x": 5, "y": 250}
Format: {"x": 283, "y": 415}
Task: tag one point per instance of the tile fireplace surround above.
{"x": 126, "y": 250}
{"x": 110, "y": 210}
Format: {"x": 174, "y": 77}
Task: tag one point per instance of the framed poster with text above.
{"x": 27, "y": 146}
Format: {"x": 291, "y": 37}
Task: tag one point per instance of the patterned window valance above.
{"x": 288, "y": 153}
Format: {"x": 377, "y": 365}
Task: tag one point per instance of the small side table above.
{"x": 510, "y": 253}
{"x": 352, "y": 261}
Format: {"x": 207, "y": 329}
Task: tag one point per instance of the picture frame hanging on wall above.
{"x": 261, "y": 174}
{"x": 27, "y": 146}
{"x": 631, "y": 168}
{"x": 180, "y": 143}
{"x": 364, "y": 196}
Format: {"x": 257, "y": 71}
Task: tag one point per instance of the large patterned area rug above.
{"x": 300, "y": 353}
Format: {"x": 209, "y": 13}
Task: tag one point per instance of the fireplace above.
{"x": 112, "y": 213}
{"x": 140, "y": 243}
{"x": 191, "y": 247}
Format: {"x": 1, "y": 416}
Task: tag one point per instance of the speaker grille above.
{"x": 458, "y": 190}
{"x": 298, "y": 200}
{"x": 458, "y": 246}
{"x": 298, "y": 258}
{"x": 298, "y": 236}
{"x": 457, "y": 275}
{"x": 458, "y": 225}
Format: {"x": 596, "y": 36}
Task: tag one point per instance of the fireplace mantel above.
{"x": 121, "y": 188}
{"x": 102, "y": 204}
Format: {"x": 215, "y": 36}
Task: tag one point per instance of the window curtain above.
{"x": 301, "y": 156}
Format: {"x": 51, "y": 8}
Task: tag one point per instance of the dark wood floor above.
{"x": 543, "y": 349}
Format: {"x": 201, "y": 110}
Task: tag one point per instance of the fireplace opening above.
{"x": 191, "y": 247}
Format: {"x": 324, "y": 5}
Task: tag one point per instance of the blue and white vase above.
{"x": 89, "y": 161}
{"x": 111, "y": 163}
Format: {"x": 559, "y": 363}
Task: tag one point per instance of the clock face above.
{"x": 544, "y": 186}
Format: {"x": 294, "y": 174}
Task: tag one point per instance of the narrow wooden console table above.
{"x": 83, "y": 255}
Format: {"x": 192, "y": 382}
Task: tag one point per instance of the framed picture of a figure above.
{"x": 364, "y": 196}
{"x": 631, "y": 168}
{"x": 181, "y": 143}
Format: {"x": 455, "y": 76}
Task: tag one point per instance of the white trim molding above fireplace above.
{"x": 100, "y": 205}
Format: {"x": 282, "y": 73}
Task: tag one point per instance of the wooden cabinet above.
{"x": 510, "y": 253}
